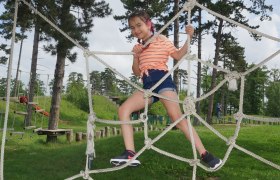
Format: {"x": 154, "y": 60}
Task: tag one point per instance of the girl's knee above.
{"x": 123, "y": 111}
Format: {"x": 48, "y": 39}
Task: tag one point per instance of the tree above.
{"x": 275, "y": 74}
{"x": 39, "y": 87}
{"x": 76, "y": 91}
{"x": 233, "y": 59}
{"x": 273, "y": 100}
{"x": 6, "y": 25}
{"x": 109, "y": 82}
{"x": 3, "y": 87}
{"x": 134, "y": 79}
{"x": 254, "y": 91}
{"x": 123, "y": 86}
{"x": 64, "y": 15}
{"x": 95, "y": 80}
{"x": 232, "y": 9}
{"x": 182, "y": 75}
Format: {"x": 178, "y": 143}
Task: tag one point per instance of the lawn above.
{"x": 31, "y": 158}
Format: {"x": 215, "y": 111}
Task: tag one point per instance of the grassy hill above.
{"x": 70, "y": 115}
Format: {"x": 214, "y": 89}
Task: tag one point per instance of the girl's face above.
{"x": 139, "y": 28}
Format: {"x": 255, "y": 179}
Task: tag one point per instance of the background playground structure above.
{"x": 18, "y": 113}
{"x": 37, "y": 108}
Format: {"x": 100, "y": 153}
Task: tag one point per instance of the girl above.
{"x": 150, "y": 63}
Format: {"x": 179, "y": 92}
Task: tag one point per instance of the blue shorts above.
{"x": 154, "y": 76}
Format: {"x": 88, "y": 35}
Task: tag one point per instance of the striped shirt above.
{"x": 156, "y": 54}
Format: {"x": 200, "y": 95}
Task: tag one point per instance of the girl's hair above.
{"x": 144, "y": 16}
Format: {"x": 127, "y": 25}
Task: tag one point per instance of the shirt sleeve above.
{"x": 169, "y": 46}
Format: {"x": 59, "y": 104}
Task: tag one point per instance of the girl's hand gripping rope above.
{"x": 137, "y": 49}
{"x": 189, "y": 30}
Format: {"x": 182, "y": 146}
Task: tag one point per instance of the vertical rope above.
{"x": 146, "y": 117}
{"x": 8, "y": 92}
{"x": 90, "y": 151}
{"x": 45, "y": 101}
{"x": 188, "y": 95}
{"x": 18, "y": 84}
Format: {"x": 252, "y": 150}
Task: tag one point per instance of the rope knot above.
{"x": 189, "y": 5}
{"x": 231, "y": 141}
{"x": 143, "y": 117}
{"x": 91, "y": 117}
{"x": 147, "y": 93}
{"x": 232, "y": 80}
{"x": 91, "y": 120}
{"x": 148, "y": 143}
{"x": 194, "y": 162}
{"x": 86, "y": 53}
{"x": 189, "y": 105}
{"x": 238, "y": 115}
{"x": 84, "y": 174}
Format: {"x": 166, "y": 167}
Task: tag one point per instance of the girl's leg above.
{"x": 134, "y": 103}
{"x": 174, "y": 112}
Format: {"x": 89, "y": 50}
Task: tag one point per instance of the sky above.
{"x": 106, "y": 37}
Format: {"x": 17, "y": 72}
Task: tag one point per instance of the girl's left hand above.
{"x": 189, "y": 30}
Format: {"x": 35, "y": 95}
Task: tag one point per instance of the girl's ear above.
{"x": 149, "y": 23}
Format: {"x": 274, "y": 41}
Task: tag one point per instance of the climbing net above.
{"x": 188, "y": 103}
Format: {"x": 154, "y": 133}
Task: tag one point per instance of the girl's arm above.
{"x": 135, "y": 67}
{"x": 137, "y": 49}
{"x": 183, "y": 50}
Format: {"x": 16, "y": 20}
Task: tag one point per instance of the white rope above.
{"x": 9, "y": 74}
{"x": 112, "y": 53}
{"x": 238, "y": 24}
{"x": 189, "y": 6}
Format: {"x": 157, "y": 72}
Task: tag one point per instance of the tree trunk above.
{"x": 57, "y": 89}
{"x": 58, "y": 75}
{"x": 214, "y": 73}
{"x": 32, "y": 75}
{"x": 198, "y": 83}
{"x": 18, "y": 65}
{"x": 176, "y": 43}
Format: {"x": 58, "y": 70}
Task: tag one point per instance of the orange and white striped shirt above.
{"x": 156, "y": 54}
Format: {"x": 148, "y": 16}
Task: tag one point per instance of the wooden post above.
{"x": 97, "y": 134}
{"x": 84, "y": 136}
{"x": 135, "y": 129}
{"x": 119, "y": 131}
{"x": 102, "y": 133}
{"x": 107, "y": 131}
{"x": 78, "y": 136}
{"x": 69, "y": 135}
{"x": 115, "y": 131}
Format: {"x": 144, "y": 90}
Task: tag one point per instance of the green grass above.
{"x": 70, "y": 115}
{"x": 31, "y": 158}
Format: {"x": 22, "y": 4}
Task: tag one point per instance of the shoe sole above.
{"x": 119, "y": 162}
{"x": 217, "y": 165}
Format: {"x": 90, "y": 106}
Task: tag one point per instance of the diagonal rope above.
{"x": 236, "y": 23}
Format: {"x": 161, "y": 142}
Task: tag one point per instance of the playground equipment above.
{"x": 188, "y": 102}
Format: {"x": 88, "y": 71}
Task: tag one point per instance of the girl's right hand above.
{"x": 137, "y": 49}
